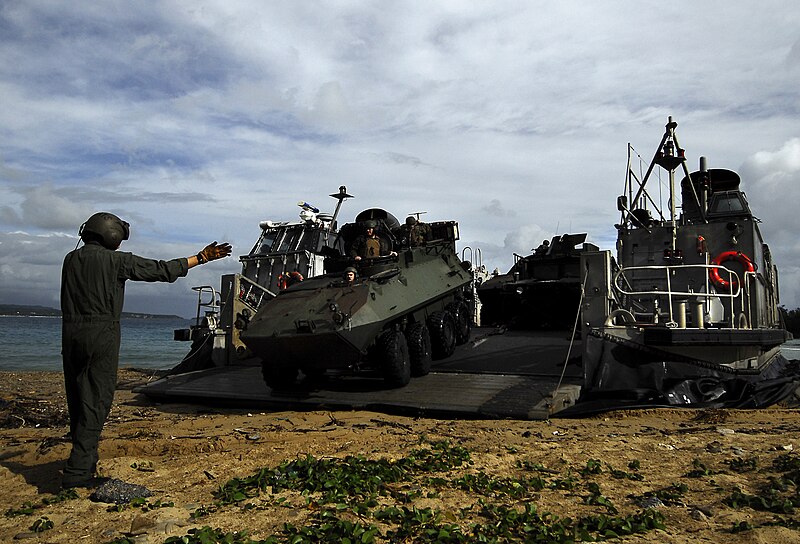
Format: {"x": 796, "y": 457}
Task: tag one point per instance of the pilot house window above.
{"x": 728, "y": 203}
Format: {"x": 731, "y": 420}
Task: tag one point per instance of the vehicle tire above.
{"x": 419, "y": 348}
{"x": 279, "y": 376}
{"x": 394, "y": 359}
{"x": 462, "y": 319}
{"x": 443, "y": 334}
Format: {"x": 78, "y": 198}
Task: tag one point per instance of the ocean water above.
{"x": 34, "y": 343}
{"x": 791, "y": 349}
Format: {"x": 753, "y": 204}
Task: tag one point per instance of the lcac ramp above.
{"x": 511, "y": 375}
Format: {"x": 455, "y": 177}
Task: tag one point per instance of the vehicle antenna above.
{"x": 341, "y": 196}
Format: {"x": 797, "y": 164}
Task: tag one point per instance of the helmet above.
{"x": 106, "y": 228}
{"x": 411, "y": 220}
{"x": 350, "y": 269}
{"x": 370, "y": 224}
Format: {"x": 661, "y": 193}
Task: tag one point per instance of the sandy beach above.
{"x": 646, "y": 476}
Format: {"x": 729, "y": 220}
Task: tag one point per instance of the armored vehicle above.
{"x": 285, "y": 253}
{"x": 407, "y": 300}
{"x": 541, "y": 291}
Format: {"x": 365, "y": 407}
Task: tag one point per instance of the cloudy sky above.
{"x": 196, "y": 120}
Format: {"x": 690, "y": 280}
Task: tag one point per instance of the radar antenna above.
{"x": 341, "y": 196}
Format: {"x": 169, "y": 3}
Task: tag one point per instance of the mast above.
{"x": 669, "y": 157}
{"x": 340, "y": 196}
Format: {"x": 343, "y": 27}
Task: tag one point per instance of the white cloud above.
{"x": 196, "y": 121}
{"x": 495, "y": 208}
{"x": 771, "y": 180}
{"x": 45, "y": 209}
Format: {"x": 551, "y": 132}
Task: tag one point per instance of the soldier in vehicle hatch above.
{"x": 414, "y": 233}
{"x": 369, "y": 245}
{"x": 349, "y": 275}
{"x": 92, "y": 289}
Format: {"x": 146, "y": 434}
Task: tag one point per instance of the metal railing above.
{"x": 212, "y": 303}
{"x": 623, "y": 285}
{"x": 477, "y": 271}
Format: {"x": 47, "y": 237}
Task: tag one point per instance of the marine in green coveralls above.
{"x": 92, "y": 290}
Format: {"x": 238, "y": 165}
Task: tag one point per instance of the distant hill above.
{"x": 39, "y": 311}
{"x": 17, "y": 309}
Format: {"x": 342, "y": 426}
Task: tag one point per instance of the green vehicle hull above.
{"x": 400, "y": 312}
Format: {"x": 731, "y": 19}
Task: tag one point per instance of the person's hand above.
{"x": 213, "y": 252}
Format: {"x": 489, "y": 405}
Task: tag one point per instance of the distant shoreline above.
{"x": 19, "y": 310}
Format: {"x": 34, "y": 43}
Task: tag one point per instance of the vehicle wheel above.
{"x": 443, "y": 334}
{"x": 469, "y": 312}
{"x": 462, "y": 319}
{"x": 393, "y": 355}
{"x": 279, "y": 376}
{"x": 419, "y": 349}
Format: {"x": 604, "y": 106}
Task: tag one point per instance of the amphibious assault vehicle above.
{"x": 409, "y": 303}
{"x": 541, "y": 291}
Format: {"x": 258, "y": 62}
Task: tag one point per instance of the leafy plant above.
{"x": 28, "y": 508}
{"x": 534, "y": 467}
{"x": 769, "y": 501}
{"x": 328, "y": 527}
{"x": 568, "y": 482}
{"x": 596, "y": 497}
{"x": 202, "y": 512}
{"x": 741, "y": 526}
{"x": 355, "y": 499}
{"x": 337, "y": 480}
{"x": 787, "y": 462}
{"x": 670, "y": 495}
{"x": 699, "y": 470}
{"x": 593, "y": 466}
{"x": 780, "y": 494}
{"x": 42, "y": 524}
{"x": 61, "y": 496}
{"x": 622, "y": 475}
{"x": 207, "y": 535}
{"x": 486, "y": 485}
{"x": 140, "y": 502}
{"x": 742, "y": 465}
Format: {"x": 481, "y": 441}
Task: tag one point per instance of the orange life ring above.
{"x": 725, "y": 256}
{"x": 289, "y": 278}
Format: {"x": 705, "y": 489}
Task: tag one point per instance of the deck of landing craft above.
{"x": 499, "y": 374}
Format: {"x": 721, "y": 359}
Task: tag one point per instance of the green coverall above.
{"x": 92, "y": 292}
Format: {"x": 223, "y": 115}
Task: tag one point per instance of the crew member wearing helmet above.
{"x": 349, "y": 275}
{"x": 414, "y": 233}
{"x": 92, "y": 290}
{"x": 369, "y": 245}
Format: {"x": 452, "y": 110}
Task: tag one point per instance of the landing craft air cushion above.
{"x": 687, "y": 313}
